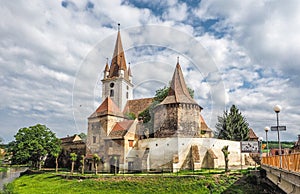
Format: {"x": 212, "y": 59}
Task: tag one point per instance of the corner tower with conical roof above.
{"x": 117, "y": 81}
{"x": 178, "y": 115}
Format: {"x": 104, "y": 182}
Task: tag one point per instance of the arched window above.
{"x": 111, "y": 93}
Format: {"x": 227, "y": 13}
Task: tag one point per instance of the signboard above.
{"x": 249, "y": 147}
{"x": 280, "y": 128}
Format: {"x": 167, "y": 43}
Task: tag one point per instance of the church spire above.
{"x": 178, "y": 92}
{"x": 118, "y": 63}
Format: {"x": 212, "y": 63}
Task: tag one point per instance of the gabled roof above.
{"x": 70, "y": 139}
{"x": 108, "y": 107}
{"x": 204, "y": 126}
{"x": 118, "y": 61}
{"x": 178, "y": 92}
{"x": 120, "y": 129}
{"x": 137, "y": 106}
{"x": 252, "y": 135}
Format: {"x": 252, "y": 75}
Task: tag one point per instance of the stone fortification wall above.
{"x": 177, "y": 120}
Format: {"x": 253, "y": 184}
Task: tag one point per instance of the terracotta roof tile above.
{"x": 120, "y": 129}
{"x": 118, "y": 61}
{"x": 178, "y": 92}
{"x": 137, "y": 106}
{"x": 107, "y": 107}
{"x": 252, "y": 135}
{"x": 204, "y": 126}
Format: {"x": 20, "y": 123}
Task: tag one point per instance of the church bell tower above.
{"x": 117, "y": 80}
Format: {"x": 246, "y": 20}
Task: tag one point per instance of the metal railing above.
{"x": 290, "y": 162}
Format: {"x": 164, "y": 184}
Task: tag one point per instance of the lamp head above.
{"x": 267, "y": 129}
{"x": 277, "y": 108}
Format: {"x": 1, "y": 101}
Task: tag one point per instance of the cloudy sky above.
{"x": 52, "y": 54}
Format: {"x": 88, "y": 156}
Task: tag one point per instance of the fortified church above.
{"x": 180, "y": 139}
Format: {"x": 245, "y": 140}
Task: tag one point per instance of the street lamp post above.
{"x": 266, "y": 130}
{"x": 277, "y": 109}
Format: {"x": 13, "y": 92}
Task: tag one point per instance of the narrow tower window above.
{"x": 111, "y": 93}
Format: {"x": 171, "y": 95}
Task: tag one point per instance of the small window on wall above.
{"x": 94, "y": 139}
{"x": 110, "y": 144}
{"x": 127, "y": 95}
{"x": 111, "y": 93}
{"x": 130, "y": 143}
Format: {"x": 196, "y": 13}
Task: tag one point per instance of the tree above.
{"x": 226, "y": 154}
{"x": 96, "y": 159}
{"x": 162, "y": 93}
{"x": 55, "y": 152}
{"x": 82, "y": 163}
{"x": 232, "y": 125}
{"x": 73, "y": 159}
{"x": 32, "y": 145}
{"x": 82, "y": 136}
{"x": 130, "y": 116}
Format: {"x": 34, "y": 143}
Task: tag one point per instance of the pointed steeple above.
{"x": 118, "y": 62}
{"x": 178, "y": 92}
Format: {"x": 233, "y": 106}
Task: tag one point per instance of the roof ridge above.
{"x": 108, "y": 107}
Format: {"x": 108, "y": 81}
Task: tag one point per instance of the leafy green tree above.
{"x": 162, "y": 93}
{"x": 73, "y": 159}
{"x": 82, "y": 136}
{"x": 32, "y": 145}
{"x": 232, "y": 125}
{"x": 130, "y": 116}
{"x": 55, "y": 152}
{"x": 96, "y": 159}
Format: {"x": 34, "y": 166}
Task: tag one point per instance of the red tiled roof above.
{"x": 252, "y": 135}
{"x": 118, "y": 61}
{"x": 178, "y": 92}
{"x": 204, "y": 126}
{"x": 120, "y": 129}
{"x": 137, "y": 106}
{"x": 107, "y": 107}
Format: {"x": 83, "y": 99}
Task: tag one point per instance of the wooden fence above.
{"x": 290, "y": 162}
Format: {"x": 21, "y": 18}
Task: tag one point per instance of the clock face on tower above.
{"x": 112, "y": 85}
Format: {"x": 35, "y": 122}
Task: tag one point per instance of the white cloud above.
{"x": 254, "y": 45}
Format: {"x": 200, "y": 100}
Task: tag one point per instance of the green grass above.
{"x": 3, "y": 169}
{"x": 184, "y": 182}
{"x": 50, "y": 183}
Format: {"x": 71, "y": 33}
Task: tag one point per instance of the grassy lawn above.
{"x": 51, "y": 183}
{"x": 2, "y": 169}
